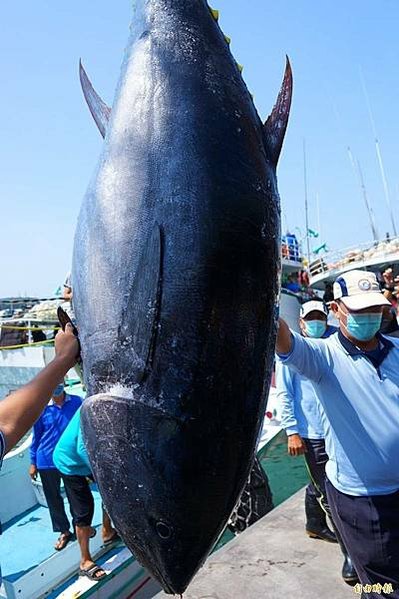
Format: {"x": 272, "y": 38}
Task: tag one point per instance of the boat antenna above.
{"x": 284, "y": 219}
{"x": 305, "y": 180}
{"x": 357, "y": 171}
{"x": 318, "y": 214}
{"x": 378, "y": 151}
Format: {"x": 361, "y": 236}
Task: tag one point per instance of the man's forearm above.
{"x": 284, "y": 338}
{"x": 20, "y": 410}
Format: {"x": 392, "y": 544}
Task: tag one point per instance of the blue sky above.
{"x": 49, "y": 144}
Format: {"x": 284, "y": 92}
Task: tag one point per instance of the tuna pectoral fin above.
{"x": 276, "y": 124}
{"x": 141, "y": 315}
{"x": 99, "y": 110}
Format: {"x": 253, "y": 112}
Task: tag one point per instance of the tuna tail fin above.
{"x": 277, "y": 122}
{"x": 99, "y": 109}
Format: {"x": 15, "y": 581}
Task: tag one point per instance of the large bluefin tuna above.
{"x": 175, "y": 277}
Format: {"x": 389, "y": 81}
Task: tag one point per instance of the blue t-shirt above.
{"x": 70, "y": 455}
{"x": 360, "y": 397}
{"x": 48, "y": 430}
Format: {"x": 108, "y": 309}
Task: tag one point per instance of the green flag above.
{"x": 321, "y": 248}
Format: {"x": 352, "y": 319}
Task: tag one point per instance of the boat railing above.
{"x": 18, "y": 331}
{"x": 380, "y": 251}
{"x": 291, "y": 250}
{"x": 25, "y": 329}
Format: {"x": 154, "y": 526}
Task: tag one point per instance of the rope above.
{"x": 26, "y": 344}
{"x": 15, "y": 328}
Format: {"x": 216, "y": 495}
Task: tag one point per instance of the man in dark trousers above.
{"x": 303, "y": 420}
{"x": 46, "y": 434}
{"x": 355, "y": 374}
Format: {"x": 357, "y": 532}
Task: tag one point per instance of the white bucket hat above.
{"x": 359, "y": 289}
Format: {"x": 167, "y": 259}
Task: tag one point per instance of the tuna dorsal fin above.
{"x": 99, "y": 110}
{"x": 276, "y": 124}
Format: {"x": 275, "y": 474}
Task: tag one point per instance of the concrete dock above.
{"x": 274, "y": 559}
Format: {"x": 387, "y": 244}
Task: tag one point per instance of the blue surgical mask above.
{"x": 315, "y": 328}
{"x": 59, "y": 390}
{"x": 363, "y": 326}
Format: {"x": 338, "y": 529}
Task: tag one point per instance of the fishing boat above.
{"x": 33, "y": 569}
{"x": 375, "y": 256}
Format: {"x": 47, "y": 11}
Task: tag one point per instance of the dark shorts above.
{"x": 80, "y": 499}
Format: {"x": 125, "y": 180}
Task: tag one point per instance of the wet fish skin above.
{"x": 175, "y": 277}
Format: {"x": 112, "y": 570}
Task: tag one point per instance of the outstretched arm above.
{"x": 308, "y": 357}
{"x": 20, "y": 410}
{"x": 284, "y": 338}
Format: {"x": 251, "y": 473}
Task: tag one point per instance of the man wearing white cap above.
{"x": 302, "y": 419}
{"x": 356, "y": 378}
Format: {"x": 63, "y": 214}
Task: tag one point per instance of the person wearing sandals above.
{"x": 46, "y": 434}
{"x": 21, "y": 408}
{"x": 71, "y": 459}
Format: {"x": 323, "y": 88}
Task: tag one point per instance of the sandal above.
{"x": 92, "y": 572}
{"x": 114, "y": 539}
{"x": 63, "y": 541}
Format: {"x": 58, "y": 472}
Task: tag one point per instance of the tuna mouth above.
{"x": 169, "y": 587}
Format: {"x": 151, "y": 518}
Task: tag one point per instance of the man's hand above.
{"x": 33, "y": 472}
{"x": 67, "y": 345}
{"x": 67, "y": 295}
{"x": 387, "y": 275}
{"x": 296, "y": 445}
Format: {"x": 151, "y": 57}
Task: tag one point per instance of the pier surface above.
{"x": 274, "y": 559}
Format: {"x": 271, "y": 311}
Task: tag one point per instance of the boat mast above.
{"x": 359, "y": 175}
{"x": 318, "y": 215}
{"x": 305, "y": 180}
{"x": 379, "y": 156}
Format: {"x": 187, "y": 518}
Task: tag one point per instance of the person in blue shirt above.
{"x": 304, "y": 422}
{"x": 46, "y": 434}
{"x": 70, "y": 455}
{"x": 292, "y": 284}
{"x": 355, "y": 374}
{"x": 301, "y": 419}
{"x": 71, "y": 460}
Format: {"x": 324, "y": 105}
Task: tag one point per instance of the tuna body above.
{"x": 175, "y": 280}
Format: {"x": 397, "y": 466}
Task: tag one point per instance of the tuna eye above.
{"x": 164, "y": 531}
